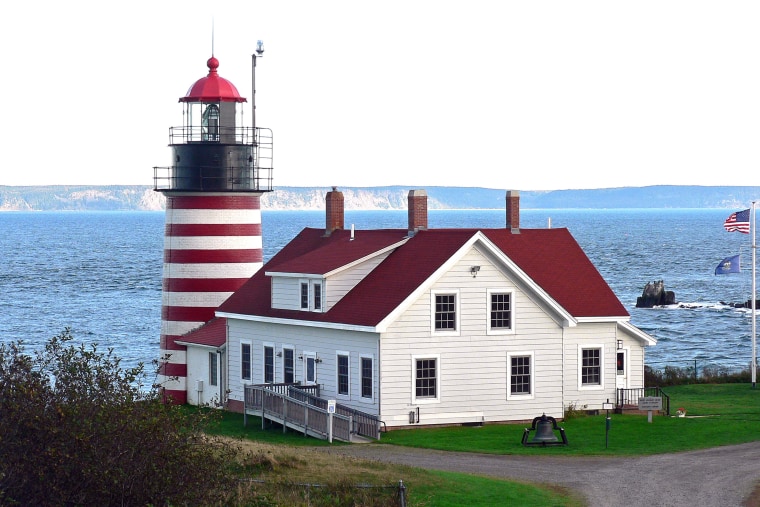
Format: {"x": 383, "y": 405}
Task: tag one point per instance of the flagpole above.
{"x": 753, "y": 226}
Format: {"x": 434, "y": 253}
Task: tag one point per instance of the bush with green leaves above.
{"x": 78, "y": 429}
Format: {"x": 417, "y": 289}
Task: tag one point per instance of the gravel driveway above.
{"x": 720, "y": 477}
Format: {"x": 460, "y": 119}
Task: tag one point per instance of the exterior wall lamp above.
{"x": 474, "y": 271}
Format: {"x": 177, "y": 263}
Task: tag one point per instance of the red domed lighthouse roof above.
{"x": 212, "y": 88}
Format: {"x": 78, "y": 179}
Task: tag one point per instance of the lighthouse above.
{"x": 212, "y": 239}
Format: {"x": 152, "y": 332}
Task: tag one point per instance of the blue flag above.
{"x": 729, "y": 265}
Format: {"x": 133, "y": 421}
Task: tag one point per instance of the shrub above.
{"x": 78, "y": 429}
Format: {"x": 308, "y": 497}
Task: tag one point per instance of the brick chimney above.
{"x": 333, "y": 211}
{"x": 513, "y": 211}
{"x": 417, "y": 210}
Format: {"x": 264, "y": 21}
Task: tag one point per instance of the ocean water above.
{"x": 99, "y": 273}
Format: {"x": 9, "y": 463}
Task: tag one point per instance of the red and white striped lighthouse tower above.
{"x": 212, "y": 239}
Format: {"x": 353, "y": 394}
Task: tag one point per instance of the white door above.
{"x": 309, "y": 368}
{"x": 621, "y": 374}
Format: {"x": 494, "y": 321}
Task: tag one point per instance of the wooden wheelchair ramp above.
{"x": 298, "y": 410}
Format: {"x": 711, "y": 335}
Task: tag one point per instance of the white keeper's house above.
{"x": 424, "y": 326}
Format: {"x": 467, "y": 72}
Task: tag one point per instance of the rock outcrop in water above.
{"x": 655, "y": 295}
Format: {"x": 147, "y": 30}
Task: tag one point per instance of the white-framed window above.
{"x": 316, "y": 289}
{"x": 288, "y": 364}
{"x": 590, "y": 367}
{"x": 213, "y": 369}
{"x": 367, "y": 378}
{"x": 245, "y": 361}
{"x": 312, "y": 295}
{"x": 444, "y": 312}
{"x": 501, "y": 315}
{"x": 520, "y": 374}
{"x": 426, "y": 379}
{"x": 343, "y": 373}
{"x": 304, "y": 295}
{"x": 268, "y": 363}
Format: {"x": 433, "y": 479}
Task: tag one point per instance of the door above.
{"x": 621, "y": 374}
{"x": 309, "y": 368}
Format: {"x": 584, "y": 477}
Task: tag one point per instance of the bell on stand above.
{"x": 544, "y": 427}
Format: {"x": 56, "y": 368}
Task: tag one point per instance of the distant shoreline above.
{"x": 144, "y": 198}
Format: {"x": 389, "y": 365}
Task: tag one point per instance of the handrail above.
{"x": 630, "y": 396}
{"x": 365, "y": 424}
{"x": 294, "y": 413}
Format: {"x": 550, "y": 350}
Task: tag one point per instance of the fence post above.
{"x": 401, "y": 494}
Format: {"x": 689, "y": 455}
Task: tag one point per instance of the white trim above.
{"x": 637, "y": 333}
{"x": 425, "y": 401}
{"x": 347, "y": 354}
{"x": 362, "y": 398}
{"x": 518, "y": 397}
{"x": 500, "y": 331}
{"x": 457, "y": 311}
{"x": 591, "y": 387}
{"x": 297, "y": 322}
{"x": 200, "y": 345}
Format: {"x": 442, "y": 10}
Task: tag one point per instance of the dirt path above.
{"x": 720, "y": 477}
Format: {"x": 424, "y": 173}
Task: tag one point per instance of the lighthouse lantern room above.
{"x": 212, "y": 238}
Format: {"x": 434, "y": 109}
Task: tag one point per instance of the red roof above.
{"x": 212, "y": 334}
{"x": 550, "y": 257}
{"x": 212, "y": 88}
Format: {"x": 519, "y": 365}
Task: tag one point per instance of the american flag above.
{"x": 738, "y": 221}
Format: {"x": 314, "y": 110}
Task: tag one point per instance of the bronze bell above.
{"x": 545, "y": 431}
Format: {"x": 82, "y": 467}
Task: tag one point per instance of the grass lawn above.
{"x": 716, "y": 415}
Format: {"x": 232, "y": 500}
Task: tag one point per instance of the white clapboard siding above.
{"x": 324, "y": 343}
{"x": 286, "y": 293}
{"x": 603, "y": 335}
{"x": 473, "y": 364}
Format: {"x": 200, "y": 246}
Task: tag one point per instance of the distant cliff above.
{"x": 139, "y": 197}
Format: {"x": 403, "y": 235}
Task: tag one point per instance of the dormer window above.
{"x": 317, "y": 297}
{"x": 311, "y": 295}
{"x": 304, "y": 296}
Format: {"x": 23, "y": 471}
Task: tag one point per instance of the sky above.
{"x": 524, "y": 95}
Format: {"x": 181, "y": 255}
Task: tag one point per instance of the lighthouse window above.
{"x": 210, "y": 123}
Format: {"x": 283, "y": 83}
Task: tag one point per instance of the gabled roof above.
{"x": 550, "y": 257}
{"x": 211, "y": 334}
{"x": 321, "y": 257}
